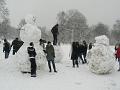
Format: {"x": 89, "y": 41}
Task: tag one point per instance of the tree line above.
{"x": 73, "y": 26}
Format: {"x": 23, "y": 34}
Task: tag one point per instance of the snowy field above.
{"x": 67, "y": 78}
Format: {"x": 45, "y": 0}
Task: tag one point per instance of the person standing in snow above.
{"x": 118, "y": 56}
{"x": 74, "y": 54}
{"x": 6, "y": 48}
{"x": 85, "y": 46}
{"x": 15, "y": 45}
{"x": 116, "y": 47}
{"x": 42, "y": 43}
{"x": 32, "y": 55}
{"x": 55, "y": 34}
{"x": 50, "y": 56}
{"x": 81, "y": 52}
{"x": 90, "y": 46}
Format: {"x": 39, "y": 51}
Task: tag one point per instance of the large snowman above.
{"x": 101, "y": 58}
{"x": 30, "y": 33}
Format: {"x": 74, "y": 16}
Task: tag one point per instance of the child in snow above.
{"x": 32, "y": 54}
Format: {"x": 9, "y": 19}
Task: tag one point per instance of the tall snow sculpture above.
{"x": 30, "y": 33}
{"x": 101, "y": 58}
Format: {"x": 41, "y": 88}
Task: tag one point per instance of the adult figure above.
{"x": 42, "y": 43}
{"x": 6, "y": 48}
{"x": 116, "y": 47}
{"x": 81, "y": 50}
{"x": 90, "y": 46}
{"x": 85, "y": 46}
{"x": 118, "y": 55}
{"x": 32, "y": 54}
{"x": 50, "y": 56}
{"x": 15, "y": 44}
{"x": 55, "y": 34}
{"x": 74, "y": 54}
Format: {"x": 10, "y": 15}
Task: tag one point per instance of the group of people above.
{"x": 79, "y": 50}
{"x": 16, "y": 44}
{"x": 50, "y": 55}
{"x": 48, "y": 50}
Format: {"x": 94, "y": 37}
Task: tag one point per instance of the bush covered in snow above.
{"x": 101, "y": 58}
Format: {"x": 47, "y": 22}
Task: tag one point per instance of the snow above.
{"x": 101, "y": 59}
{"x": 58, "y": 52}
{"x": 67, "y": 78}
{"x": 30, "y": 33}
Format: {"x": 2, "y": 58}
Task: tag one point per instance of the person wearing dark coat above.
{"x": 50, "y": 56}
{"x": 32, "y": 54}
{"x": 74, "y": 54}
{"x": 6, "y": 48}
{"x": 90, "y": 46}
{"x": 42, "y": 43}
{"x": 85, "y": 46}
{"x": 15, "y": 45}
{"x": 55, "y": 34}
{"x": 81, "y": 50}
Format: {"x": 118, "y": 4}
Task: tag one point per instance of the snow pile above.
{"x": 58, "y": 54}
{"x": 101, "y": 58}
{"x": 30, "y": 33}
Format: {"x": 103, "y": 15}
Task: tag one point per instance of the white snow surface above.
{"x": 101, "y": 59}
{"x": 67, "y": 78}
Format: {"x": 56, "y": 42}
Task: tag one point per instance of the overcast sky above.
{"x": 106, "y": 11}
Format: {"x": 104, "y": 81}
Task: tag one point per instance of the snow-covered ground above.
{"x": 67, "y": 78}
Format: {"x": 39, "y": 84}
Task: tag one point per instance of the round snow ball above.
{"x": 30, "y": 32}
{"x": 101, "y": 58}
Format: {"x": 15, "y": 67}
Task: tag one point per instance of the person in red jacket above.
{"x": 118, "y": 56}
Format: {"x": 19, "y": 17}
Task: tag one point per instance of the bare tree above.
{"x": 115, "y": 33}
{"x": 4, "y": 19}
{"x": 72, "y": 26}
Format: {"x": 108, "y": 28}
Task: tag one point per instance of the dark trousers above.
{"x": 84, "y": 55}
{"x": 33, "y": 66}
{"x": 14, "y": 51}
{"x": 53, "y": 64}
{"x": 80, "y": 56}
{"x": 119, "y": 62}
{"x": 54, "y": 39}
{"x": 6, "y": 55}
{"x": 75, "y": 62}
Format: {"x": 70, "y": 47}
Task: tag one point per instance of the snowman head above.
{"x": 30, "y": 19}
{"x": 30, "y": 32}
{"x": 103, "y": 39}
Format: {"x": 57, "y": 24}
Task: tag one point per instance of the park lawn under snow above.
{"x": 67, "y": 78}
